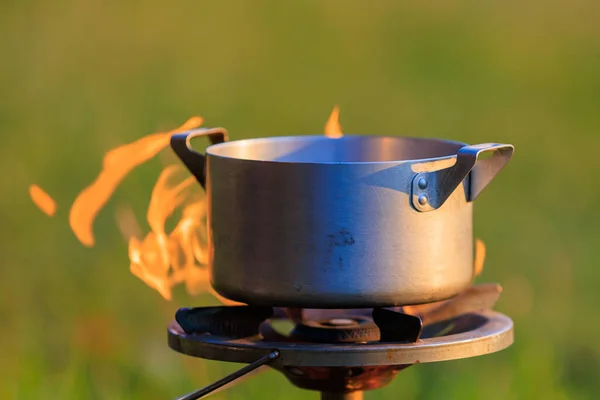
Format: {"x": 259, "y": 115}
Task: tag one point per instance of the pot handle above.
{"x": 430, "y": 190}
{"x": 194, "y": 160}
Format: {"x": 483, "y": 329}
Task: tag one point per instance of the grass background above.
{"x": 79, "y": 77}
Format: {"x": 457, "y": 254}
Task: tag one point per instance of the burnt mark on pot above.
{"x": 335, "y": 243}
{"x": 341, "y": 238}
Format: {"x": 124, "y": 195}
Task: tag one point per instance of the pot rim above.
{"x": 210, "y": 150}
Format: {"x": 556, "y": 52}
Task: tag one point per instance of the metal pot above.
{"x": 358, "y": 221}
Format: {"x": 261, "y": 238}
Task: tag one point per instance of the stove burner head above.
{"x": 384, "y": 326}
{"x": 337, "y": 330}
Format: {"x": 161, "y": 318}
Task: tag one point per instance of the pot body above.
{"x": 315, "y": 222}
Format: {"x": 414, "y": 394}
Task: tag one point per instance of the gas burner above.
{"x": 337, "y": 330}
{"x": 342, "y": 352}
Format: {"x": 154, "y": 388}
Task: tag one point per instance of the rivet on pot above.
{"x": 423, "y": 199}
{"x": 422, "y": 185}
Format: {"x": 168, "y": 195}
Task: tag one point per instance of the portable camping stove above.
{"x": 342, "y": 353}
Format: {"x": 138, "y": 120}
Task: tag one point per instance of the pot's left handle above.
{"x": 430, "y": 190}
{"x": 194, "y": 160}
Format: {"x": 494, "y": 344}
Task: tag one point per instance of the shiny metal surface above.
{"x": 314, "y": 222}
{"x": 488, "y": 332}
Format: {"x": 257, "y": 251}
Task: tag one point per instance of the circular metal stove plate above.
{"x": 495, "y": 333}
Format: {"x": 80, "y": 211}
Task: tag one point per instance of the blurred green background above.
{"x": 78, "y": 78}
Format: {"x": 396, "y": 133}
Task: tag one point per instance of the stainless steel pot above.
{"x": 359, "y": 221}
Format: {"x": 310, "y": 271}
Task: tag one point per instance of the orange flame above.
{"x": 479, "y": 257}
{"x": 163, "y": 259}
{"x": 332, "y": 127}
{"x": 116, "y": 165}
{"x": 42, "y": 200}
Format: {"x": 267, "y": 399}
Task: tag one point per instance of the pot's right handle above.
{"x": 430, "y": 190}
{"x": 193, "y": 160}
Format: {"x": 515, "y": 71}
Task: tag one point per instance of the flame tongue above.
{"x": 163, "y": 260}
{"x": 332, "y": 127}
{"x": 479, "y": 257}
{"x": 116, "y": 165}
{"x": 42, "y": 199}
